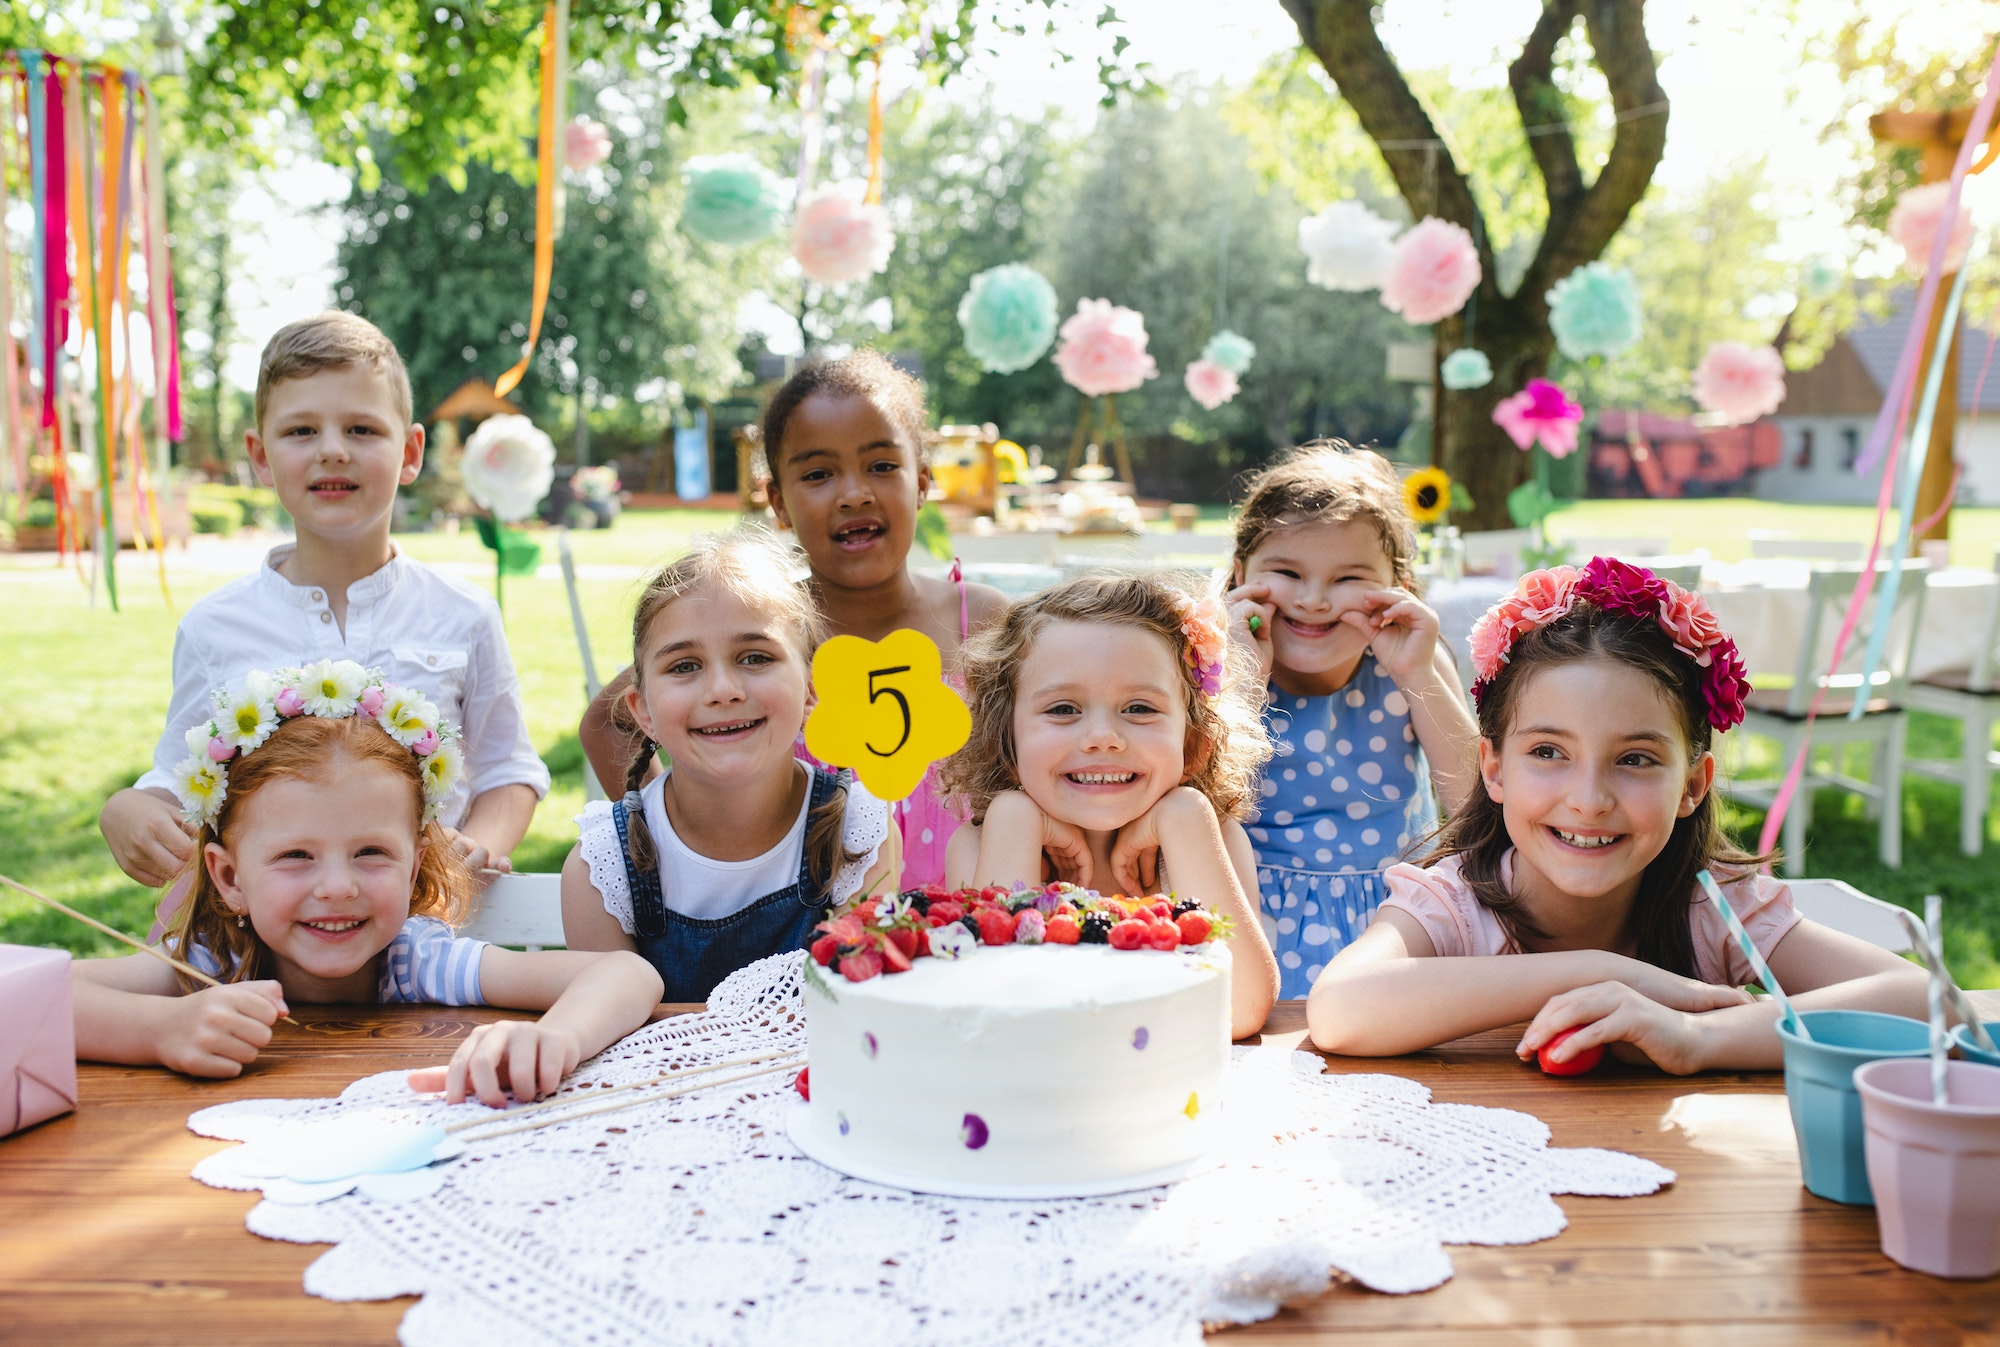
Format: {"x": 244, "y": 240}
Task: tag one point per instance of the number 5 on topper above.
{"x": 884, "y": 710}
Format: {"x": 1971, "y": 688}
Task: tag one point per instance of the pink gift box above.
{"x": 37, "y": 1037}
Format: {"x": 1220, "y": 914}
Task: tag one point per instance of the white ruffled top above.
{"x": 698, "y": 887}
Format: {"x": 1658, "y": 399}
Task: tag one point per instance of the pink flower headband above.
{"x": 1614, "y": 586}
{"x": 1204, "y": 624}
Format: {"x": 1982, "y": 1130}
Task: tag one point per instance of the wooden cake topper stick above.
{"x": 592, "y": 1097}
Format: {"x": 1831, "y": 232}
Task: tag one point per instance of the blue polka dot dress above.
{"x": 1343, "y": 797}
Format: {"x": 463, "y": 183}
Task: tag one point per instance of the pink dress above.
{"x": 1458, "y": 924}
{"x": 924, "y": 822}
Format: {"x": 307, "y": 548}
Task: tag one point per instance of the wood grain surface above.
{"x": 105, "y": 1239}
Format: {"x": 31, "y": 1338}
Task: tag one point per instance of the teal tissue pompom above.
{"x": 1594, "y": 311}
{"x": 1234, "y": 353}
{"x": 732, "y": 199}
{"x": 1466, "y": 368}
{"x": 1009, "y": 317}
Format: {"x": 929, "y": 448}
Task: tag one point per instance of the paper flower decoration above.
{"x": 1466, "y": 368}
{"x": 1435, "y": 270}
{"x": 1427, "y": 493}
{"x": 1594, "y": 311}
{"x": 1103, "y": 349}
{"x": 586, "y": 144}
{"x": 1540, "y": 412}
{"x": 731, "y": 199}
{"x": 1821, "y": 280}
{"x": 1740, "y": 383}
{"x": 509, "y": 465}
{"x": 1346, "y": 246}
{"x": 1210, "y": 384}
{"x": 1009, "y": 317}
{"x": 1914, "y": 224}
{"x": 1232, "y": 352}
{"x": 838, "y": 238}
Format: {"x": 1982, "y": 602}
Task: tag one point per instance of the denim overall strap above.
{"x": 649, "y": 908}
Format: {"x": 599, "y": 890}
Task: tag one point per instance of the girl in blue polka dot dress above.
{"x": 1364, "y": 706}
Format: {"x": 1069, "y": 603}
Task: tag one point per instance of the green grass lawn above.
{"x": 83, "y": 692}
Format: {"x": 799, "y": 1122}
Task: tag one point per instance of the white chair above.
{"x": 1771, "y": 543}
{"x": 1970, "y": 697}
{"x": 523, "y": 910}
{"x": 1780, "y": 713}
{"x": 1496, "y": 551}
{"x": 1844, "y": 908}
{"x": 1682, "y": 571}
{"x": 1635, "y": 550}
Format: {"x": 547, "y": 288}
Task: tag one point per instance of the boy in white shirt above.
{"x": 335, "y": 438}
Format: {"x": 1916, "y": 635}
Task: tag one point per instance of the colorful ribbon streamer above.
{"x": 545, "y": 200}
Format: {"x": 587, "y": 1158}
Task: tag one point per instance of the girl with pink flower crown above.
{"x": 1364, "y": 706}
{"x": 1114, "y": 746}
{"x": 1599, "y": 691}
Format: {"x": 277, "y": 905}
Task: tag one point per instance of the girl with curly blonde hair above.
{"x": 1115, "y": 744}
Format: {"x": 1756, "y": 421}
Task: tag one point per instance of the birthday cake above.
{"x": 1075, "y": 1046}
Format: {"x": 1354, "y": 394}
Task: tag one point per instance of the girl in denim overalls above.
{"x": 737, "y": 851}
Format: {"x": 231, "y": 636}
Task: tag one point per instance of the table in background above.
{"x": 105, "y": 1239}
{"x": 1762, "y": 604}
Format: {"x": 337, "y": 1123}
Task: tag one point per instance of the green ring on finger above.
{"x": 1254, "y": 622}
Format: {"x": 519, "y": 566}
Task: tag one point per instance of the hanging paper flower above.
{"x": 1466, "y": 368}
{"x": 1103, "y": 349}
{"x": 837, "y": 238}
{"x": 1427, "y": 493}
{"x": 1541, "y": 411}
{"x": 1914, "y": 224}
{"x": 731, "y": 199}
{"x": 1594, "y": 311}
{"x": 1434, "y": 272}
{"x": 1740, "y": 383}
{"x": 509, "y": 466}
{"x": 1821, "y": 280}
{"x": 586, "y": 144}
{"x": 1347, "y": 246}
{"x": 1234, "y": 353}
{"x": 1210, "y": 384}
{"x": 1009, "y": 317}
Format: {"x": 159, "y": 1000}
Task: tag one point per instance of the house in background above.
{"x": 1830, "y": 409}
{"x": 1669, "y": 457}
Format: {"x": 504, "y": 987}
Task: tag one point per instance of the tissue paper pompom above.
{"x": 1541, "y": 411}
{"x": 1210, "y": 384}
{"x": 1435, "y": 270}
{"x": 1009, "y": 317}
{"x": 508, "y": 467}
{"x": 731, "y": 199}
{"x": 1914, "y": 224}
{"x": 1347, "y": 246}
{"x": 1103, "y": 349}
{"x": 838, "y": 239}
{"x": 1234, "y": 353}
{"x": 1822, "y": 280}
{"x": 586, "y": 143}
{"x": 1466, "y": 368}
{"x": 1740, "y": 383}
{"x": 1594, "y": 311}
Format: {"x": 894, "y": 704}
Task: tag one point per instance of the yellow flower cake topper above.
{"x": 884, "y": 710}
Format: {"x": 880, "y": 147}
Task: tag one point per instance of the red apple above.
{"x": 1585, "y": 1060}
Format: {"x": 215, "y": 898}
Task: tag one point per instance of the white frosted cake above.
{"x": 1018, "y": 1070}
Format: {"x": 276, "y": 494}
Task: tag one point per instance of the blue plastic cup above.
{"x": 1961, "y": 1038}
{"x": 1826, "y": 1108}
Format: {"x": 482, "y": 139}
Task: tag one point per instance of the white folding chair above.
{"x": 523, "y": 910}
{"x": 1682, "y": 571}
{"x": 591, "y": 687}
{"x": 1635, "y": 550}
{"x": 1842, "y": 907}
{"x": 1970, "y": 697}
{"x": 1780, "y": 713}
{"x": 1771, "y": 543}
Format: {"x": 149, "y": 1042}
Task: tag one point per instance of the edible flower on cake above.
{"x": 883, "y": 935}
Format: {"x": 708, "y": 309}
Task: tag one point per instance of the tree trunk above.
{"x": 1465, "y": 441}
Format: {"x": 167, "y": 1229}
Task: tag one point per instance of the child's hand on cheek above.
{"x": 218, "y": 1031}
{"x": 521, "y": 1058}
{"x": 1015, "y": 813}
{"x": 1135, "y": 856}
{"x": 1245, "y": 602}
{"x": 1403, "y": 632}
{"x": 1632, "y": 1026}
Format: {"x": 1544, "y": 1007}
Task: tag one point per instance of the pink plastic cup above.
{"x": 1935, "y": 1168}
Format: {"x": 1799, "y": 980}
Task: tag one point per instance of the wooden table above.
{"x": 105, "y": 1239}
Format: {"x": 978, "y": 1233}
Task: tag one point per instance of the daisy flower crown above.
{"x": 1542, "y": 597}
{"x": 247, "y": 712}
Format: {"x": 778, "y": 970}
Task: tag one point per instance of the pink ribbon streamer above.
{"x": 55, "y": 246}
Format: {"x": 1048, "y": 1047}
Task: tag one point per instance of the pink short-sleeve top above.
{"x": 1458, "y": 924}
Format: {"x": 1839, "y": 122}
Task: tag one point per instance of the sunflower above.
{"x": 1427, "y": 492}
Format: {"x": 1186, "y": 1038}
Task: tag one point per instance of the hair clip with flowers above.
{"x": 1205, "y": 627}
{"x": 248, "y": 711}
{"x": 1542, "y": 597}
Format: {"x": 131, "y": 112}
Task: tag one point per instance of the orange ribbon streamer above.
{"x": 874, "y": 196}
{"x": 545, "y": 205}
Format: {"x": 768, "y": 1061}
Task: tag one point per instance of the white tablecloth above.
{"x": 1762, "y": 603}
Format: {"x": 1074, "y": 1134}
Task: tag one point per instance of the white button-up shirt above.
{"x": 422, "y": 629}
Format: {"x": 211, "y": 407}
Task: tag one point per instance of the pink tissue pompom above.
{"x": 289, "y": 702}
{"x": 1914, "y": 224}
{"x": 1210, "y": 384}
{"x": 1740, "y": 383}
{"x": 838, "y": 238}
{"x": 1103, "y": 349}
{"x": 371, "y": 702}
{"x": 586, "y": 143}
{"x": 1436, "y": 269}
{"x": 1541, "y": 411}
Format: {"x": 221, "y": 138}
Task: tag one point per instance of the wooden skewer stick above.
{"x": 120, "y": 936}
{"x": 631, "y": 1103}
{"x": 595, "y": 1095}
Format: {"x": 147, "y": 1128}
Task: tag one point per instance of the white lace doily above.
{"x": 693, "y": 1220}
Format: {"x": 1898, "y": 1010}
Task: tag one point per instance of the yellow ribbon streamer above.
{"x": 545, "y": 204}
{"x": 874, "y": 196}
